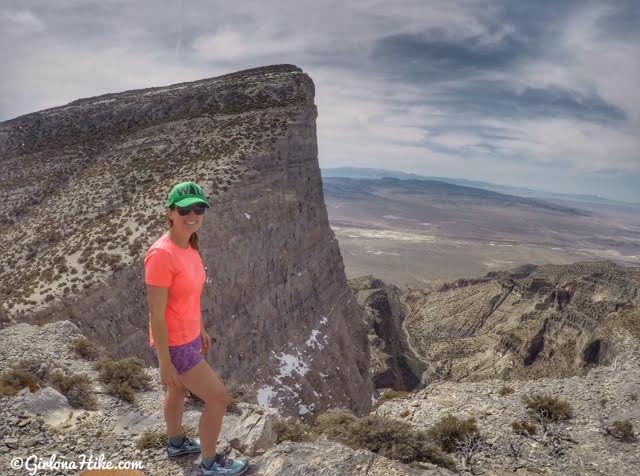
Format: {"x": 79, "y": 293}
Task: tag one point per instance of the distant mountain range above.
{"x": 372, "y": 173}
{"x": 434, "y": 190}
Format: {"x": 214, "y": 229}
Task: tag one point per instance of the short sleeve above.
{"x": 157, "y": 268}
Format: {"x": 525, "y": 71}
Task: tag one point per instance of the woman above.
{"x": 175, "y": 275}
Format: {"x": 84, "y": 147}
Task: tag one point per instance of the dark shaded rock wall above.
{"x": 394, "y": 365}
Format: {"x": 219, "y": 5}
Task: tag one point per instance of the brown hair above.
{"x": 194, "y": 241}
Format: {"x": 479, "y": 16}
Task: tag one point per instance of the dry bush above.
{"x": 390, "y": 438}
{"x": 622, "y": 430}
{"x": 449, "y": 431}
{"x": 232, "y": 405}
{"x": 467, "y": 449}
{"x": 524, "y": 428}
{"x": 335, "y": 424}
{"x": 505, "y": 390}
{"x": 123, "y": 377}
{"x": 29, "y": 373}
{"x": 151, "y": 439}
{"x": 85, "y": 348}
{"x": 391, "y": 395}
{"x": 397, "y": 440}
{"x": 77, "y": 389}
{"x": 14, "y": 380}
{"x": 239, "y": 393}
{"x": 291, "y": 429}
{"x": 548, "y": 407}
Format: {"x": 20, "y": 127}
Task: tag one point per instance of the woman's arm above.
{"x": 157, "y": 299}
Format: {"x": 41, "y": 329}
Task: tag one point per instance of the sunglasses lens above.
{"x": 198, "y": 209}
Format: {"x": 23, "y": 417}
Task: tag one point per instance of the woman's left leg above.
{"x": 205, "y": 383}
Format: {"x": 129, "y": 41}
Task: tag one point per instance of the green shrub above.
{"x": 548, "y": 407}
{"x": 77, "y": 389}
{"x": 622, "y": 430}
{"x": 524, "y": 428}
{"x": 123, "y": 377}
{"x": 505, "y": 390}
{"x": 85, "y": 348}
{"x": 449, "y": 431}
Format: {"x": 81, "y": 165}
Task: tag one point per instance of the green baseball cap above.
{"x": 185, "y": 194}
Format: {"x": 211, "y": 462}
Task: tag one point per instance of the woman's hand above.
{"x": 169, "y": 374}
{"x": 205, "y": 341}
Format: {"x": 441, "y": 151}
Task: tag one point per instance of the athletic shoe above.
{"x": 188, "y": 446}
{"x": 225, "y": 466}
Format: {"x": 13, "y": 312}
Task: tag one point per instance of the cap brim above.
{"x": 185, "y": 202}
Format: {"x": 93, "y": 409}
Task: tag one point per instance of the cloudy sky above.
{"x": 530, "y": 93}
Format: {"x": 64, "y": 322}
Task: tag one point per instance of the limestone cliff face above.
{"x": 87, "y": 184}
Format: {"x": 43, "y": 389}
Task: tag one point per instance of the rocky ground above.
{"x": 43, "y": 424}
{"x": 577, "y": 446}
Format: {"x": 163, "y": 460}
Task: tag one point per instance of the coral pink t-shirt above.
{"x": 169, "y": 266}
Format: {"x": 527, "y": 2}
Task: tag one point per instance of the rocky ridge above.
{"x": 531, "y": 322}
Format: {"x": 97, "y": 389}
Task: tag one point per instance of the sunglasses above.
{"x": 198, "y": 209}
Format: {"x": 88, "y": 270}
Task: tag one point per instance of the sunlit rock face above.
{"x": 530, "y": 322}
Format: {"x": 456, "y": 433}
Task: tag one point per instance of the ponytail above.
{"x": 194, "y": 241}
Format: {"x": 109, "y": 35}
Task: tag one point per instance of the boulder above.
{"x": 49, "y": 403}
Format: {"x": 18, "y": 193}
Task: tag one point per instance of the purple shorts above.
{"x": 184, "y": 356}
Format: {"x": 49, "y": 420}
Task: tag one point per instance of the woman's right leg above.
{"x": 173, "y": 409}
{"x": 203, "y": 381}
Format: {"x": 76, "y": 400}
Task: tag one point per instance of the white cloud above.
{"x": 19, "y": 22}
{"x": 70, "y": 49}
{"x": 229, "y": 45}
